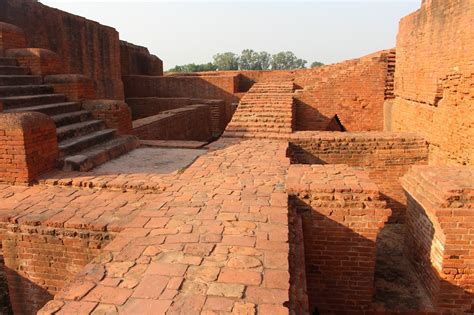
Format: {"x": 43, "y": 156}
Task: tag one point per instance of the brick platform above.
{"x": 342, "y": 213}
{"x": 440, "y": 229}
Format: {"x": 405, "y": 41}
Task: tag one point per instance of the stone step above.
{"x": 74, "y": 145}
{"x": 79, "y": 129}
{"x": 98, "y": 154}
{"x": 71, "y": 118}
{"x": 14, "y": 70}
{"x": 20, "y": 80}
{"x": 8, "y": 61}
{"x": 50, "y": 109}
{"x": 18, "y": 90}
{"x": 12, "y": 102}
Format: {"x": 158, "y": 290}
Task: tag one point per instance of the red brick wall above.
{"x": 353, "y": 90}
{"x": 385, "y": 156}
{"x": 440, "y": 232}
{"x": 28, "y": 146}
{"x": 208, "y": 87}
{"x": 11, "y": 36}
{"x": 40, "y": 261}
{"x": 84, "y": 46}
{"x": 187, "y": 123}
{"x": 148, "y": 106}
{"x": 434, "y": 77}
{"x": 115, "y": 114}
{"x": 342, "y": 213}
{"x": 138, "y": 60}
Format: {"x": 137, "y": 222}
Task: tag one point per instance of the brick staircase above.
{"x": 84, "y": 142}
{"x": 266, "y": 111}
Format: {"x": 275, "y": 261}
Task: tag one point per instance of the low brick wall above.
{"x": 39, "y": 261}
{"x": 143, "y": 107}
{"x": 439, "y": 240}
{"x": 187, "y": 123}
{"x": 28, "y": 147}
{"x": 39, "y": 61}
{"x": 75, "y": 86}
{"x": 342, "y": 213}
{"x": 386, "y": 157}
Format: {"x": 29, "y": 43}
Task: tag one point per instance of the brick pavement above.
{"x": 213, "y": 240}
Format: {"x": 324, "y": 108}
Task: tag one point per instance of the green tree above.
{"x": 192, "y": 67}
{"x": 286, "y": 60}
{"x": 251, "y": 60}
{"x": 317, "y": 64}
{"x": 226, "y": 61}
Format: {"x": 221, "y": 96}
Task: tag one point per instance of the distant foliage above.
{"x": 226, "y": 61}
{"x": 192, "y": 67}
{"x": 249, "y": 60}
{"x": 317, "y": 64}
{"x": 286, "y": 60}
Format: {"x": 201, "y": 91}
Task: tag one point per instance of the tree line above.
{"x": 249, "y": 60}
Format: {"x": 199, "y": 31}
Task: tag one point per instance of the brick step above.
{"x": 8, "y": 61}
{"x": 279, "y": 90}
{"x": 267, "y": 135}
{"x": 21, "y": 90}
{"x": 98, "y": 154}
{"x": 258, "y": 129}
{"x": 71, "y": 118}
{"x": 74, "y": 145}
{"x": 265, "y": 111}
{"x": 281, "y": 96}
{"x": 20, "y": 80}
{"x": 79, "y": 129}
{"x": 14, "y": 70}
{"x": 261, "y": 119}
{"x": 49, "y": 109}
{"x": 12, "y": 102}
{"x": 259, "y": 125}
{"x": 266, "y": 105}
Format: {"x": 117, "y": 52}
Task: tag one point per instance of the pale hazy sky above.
{"x": 181, "y": 32}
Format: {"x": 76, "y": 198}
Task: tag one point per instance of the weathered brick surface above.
{"x": 116, "y": 114}
{"x": 143, "y": 107}
{"x": 385, "y": 156}
{"x": 138, "y": 60}
{"x": 439, "y": 236}
{"x": 192, "y": 122}
{"x": 39, "y": 61}
{"x": 75, "y": 86}
{"x": 84, "y": 46}
{"x": 28, "y": 146}
{"x": 342, "y": 213}
{"x": 434, "y": 77}
{"x": 11, "y": 37}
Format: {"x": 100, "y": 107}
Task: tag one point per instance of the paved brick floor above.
{"x": 213, "y": 239}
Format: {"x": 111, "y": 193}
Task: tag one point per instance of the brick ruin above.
{"x": 344, "y": 189}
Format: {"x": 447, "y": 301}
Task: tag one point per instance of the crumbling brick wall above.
{"x": 143, "y": 107}
{"x": 385, "y": 156}
{"x": 434, "y": 77}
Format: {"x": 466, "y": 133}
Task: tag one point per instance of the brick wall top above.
{"x": 355, "y": 136}
{"x": 23, "y": 122}
{"x": 441, "y": 187}
{"x": 329, "y": 179}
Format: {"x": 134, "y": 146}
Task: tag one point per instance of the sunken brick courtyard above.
{"x": 343, "y": 189}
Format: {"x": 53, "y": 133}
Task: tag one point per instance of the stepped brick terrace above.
{"x": 343, "y": 189}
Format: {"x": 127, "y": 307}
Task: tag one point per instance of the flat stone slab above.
{"x": 173, "y": 144}
{"x": 150, "y": 160}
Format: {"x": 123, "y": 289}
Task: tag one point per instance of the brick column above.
{"x": 440, "y": 234}
{"x": 28, "y": 146}
{"x": 342, "y": 213}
